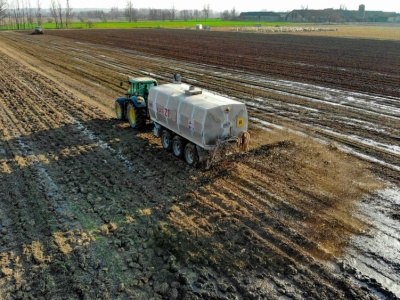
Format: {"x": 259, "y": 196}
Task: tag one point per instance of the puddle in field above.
{"x": 376, "y": 254}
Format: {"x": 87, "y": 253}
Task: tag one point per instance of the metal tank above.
{"x": 199, "y": 116}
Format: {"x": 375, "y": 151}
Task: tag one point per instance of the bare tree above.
{"x": 343, "y": 7}
{"x": 130, "y": 11}
{"x": 206, "y": 11}
{"x": 29, "y": 13}
{"x": 16, "y": 14}
{"x": 27, "y": 16}
{"x": 229, "y": 15}
{"x": 233, "y": 14}
{"x": 104, "y": 17}
{"x": 23, "y": 14}
{"x": 3, "y": 9}
{"x": 53, "y": 12}
{"x": 81, "y": 17}
{"x": 154, "y": 14}
{"x": 114, "y": 13}
{"x": 39, "y": 13}
{"x": 173, "y": 13}
{"x": 185, "y": 14}
{"x": 225, "y": 15}
{"x": 68, "y": 15}
{"x": 21, "y": 10}
{"x": 164, "y": 14}
{"x": 196, "y": 14}
{"x": 60, "y": 14}
{"x": 10, "y": 21}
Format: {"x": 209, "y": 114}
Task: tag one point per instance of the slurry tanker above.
{"x": 196, "y": 125}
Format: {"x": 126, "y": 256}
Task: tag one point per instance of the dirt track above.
{"x": 92, "y": 209}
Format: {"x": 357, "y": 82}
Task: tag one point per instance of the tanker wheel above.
{"x": 119, "y": 110}
{"x": 166, "y": 140}
{"x": 178, "y": 146}
{"x": 191, "y": 156}
{"x": 136, "y": 116}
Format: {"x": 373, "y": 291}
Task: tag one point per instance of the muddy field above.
{"x": 92, "y": 209}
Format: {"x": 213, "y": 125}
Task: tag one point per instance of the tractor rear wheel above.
{"x": 191, "y": 155}
{"x": 119, "y": 110}
{"x": 136, "y": 116}
{"x": 178, "y": 146}
{"x": 166, "y": 140}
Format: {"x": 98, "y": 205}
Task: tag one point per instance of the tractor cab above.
{"x": 140, "y": 86}
{"x": 134, "y": 105}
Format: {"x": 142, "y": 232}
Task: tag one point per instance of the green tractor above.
{"x": 37, "y": 30}
{"x": 134, "y": 105}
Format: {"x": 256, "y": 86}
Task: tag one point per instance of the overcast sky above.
{"x": 239, "y": 5}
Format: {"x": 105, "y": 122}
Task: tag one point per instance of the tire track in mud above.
{"x": 34, "y": 203}
{"x": 354, "y": 67}
{"x": 255, "y": 238}
{"x": 161, "y": 229}
{"x": 50, "y": 191}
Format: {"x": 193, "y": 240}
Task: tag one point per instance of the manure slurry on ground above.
{"x": 93, "y": 209}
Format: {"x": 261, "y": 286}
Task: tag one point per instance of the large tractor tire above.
{"x": 166, "y": 140}
{"x": 135, "y": 116}
{"x": 119, "y": 110}
{"x": 178, "y": 146}
{"x": 191, "y": 155}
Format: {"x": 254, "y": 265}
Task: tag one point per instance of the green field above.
{"x": 157, "y": 24}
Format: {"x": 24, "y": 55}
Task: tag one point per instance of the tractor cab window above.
{"x": 140, "y": 88}
{"x": 151, "y": 84}
{"x": 132, "y": 88}
{"x": 144, "y": 88}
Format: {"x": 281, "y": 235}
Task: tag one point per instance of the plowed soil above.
{"x": 92, "y": 209}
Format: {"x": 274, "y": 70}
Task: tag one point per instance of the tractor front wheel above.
{"x": 136, "y": 116}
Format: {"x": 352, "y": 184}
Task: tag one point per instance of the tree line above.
{"x": 21, "y": 14}
{"x": 132, "y": 14}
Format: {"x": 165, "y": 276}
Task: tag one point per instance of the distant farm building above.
{"x": 313, "y": 15}
{"x": 260, "y": 16}
{"x": 341, "y": 15}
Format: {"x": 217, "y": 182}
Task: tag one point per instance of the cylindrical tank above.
{"x": 199, "y": 116}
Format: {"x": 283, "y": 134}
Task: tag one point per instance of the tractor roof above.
{"x": 141, "y": 79}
